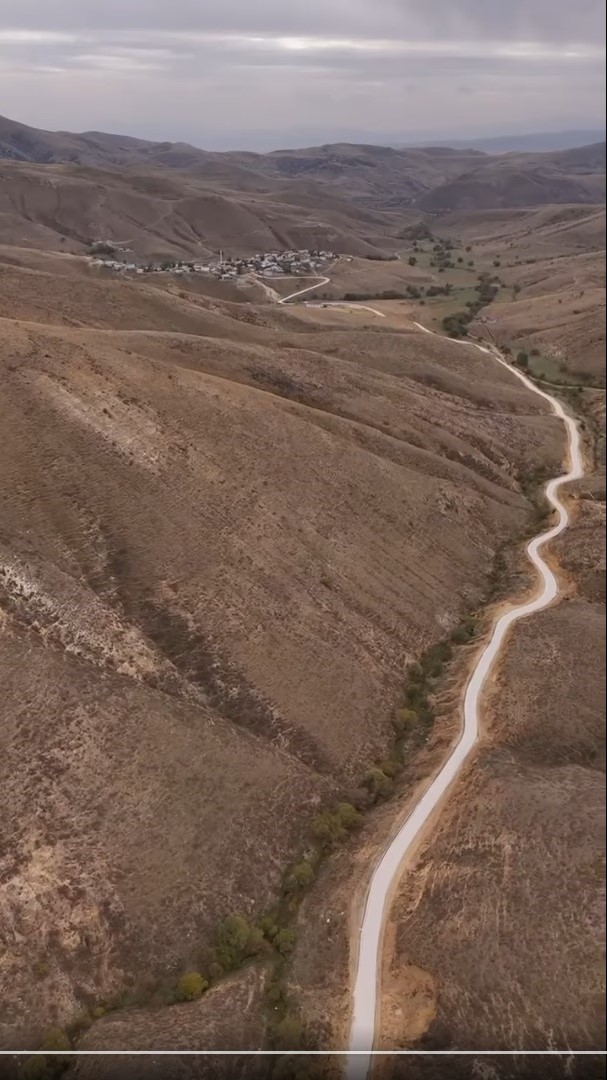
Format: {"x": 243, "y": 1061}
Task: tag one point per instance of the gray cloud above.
{"x": 239, "y": 73}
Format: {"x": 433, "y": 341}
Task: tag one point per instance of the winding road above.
{"x": 367, "y": 984}
{"x": 366, "y": 994}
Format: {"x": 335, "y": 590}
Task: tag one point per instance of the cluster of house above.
{"x": 265, "y": 264}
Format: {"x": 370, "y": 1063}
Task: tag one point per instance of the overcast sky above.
{"x": 266, "y": 73}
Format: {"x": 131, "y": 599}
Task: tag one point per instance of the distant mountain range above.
{"x": 505, "y": 144}
{"x": 176, "y": 198}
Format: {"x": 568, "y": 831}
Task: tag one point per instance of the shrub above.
{"x": 268, "y": 927}
{"x": 191, "y": 986}
{"x": 535, "y": 352}
{"x": 390, "y": 768}
{"x": 347, "y": 815}
{"x": 56, "y": 1039}
{"x": 460, "y": 259}
{"x": 35, "y": 1068}
{"x": 496, "y": 262}
{"x": 441, "y": 652}
{"x": 522, "y": 360}
{"x": 332, "y": 827}
{"x": 237, "y": 939}
{"x": 327, "y": 830}
{"x": 470, "y": 262}
{"x": 284, "y": 941}
{"x": 412, "y": 260}
{"x": 378, "y": 783}
{"x": 289, "y": 1033}
{"x": 404, "y": 721}
{"x": 301, "y": 876}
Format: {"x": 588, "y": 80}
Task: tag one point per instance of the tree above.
{"x": 191, "y": 986}
{"x": 412, "y": 260}
{"x": 522, "y": 360}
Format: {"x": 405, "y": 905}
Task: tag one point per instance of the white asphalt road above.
{"x": 386, "y": 874}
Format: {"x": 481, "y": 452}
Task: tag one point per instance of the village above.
{"x": 264, "y": 264}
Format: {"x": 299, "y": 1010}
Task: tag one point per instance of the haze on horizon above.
{"x": 262, "y": 75}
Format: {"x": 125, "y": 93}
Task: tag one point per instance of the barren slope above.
{"x": 220, "y": 545}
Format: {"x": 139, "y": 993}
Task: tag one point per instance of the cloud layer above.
{"x": 238, "y": 73}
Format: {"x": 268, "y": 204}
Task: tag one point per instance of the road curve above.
{"x": 385, "y": 875}
{"x": 308, "y": 288}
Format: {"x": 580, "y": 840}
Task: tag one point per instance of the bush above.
{"x": 379, "y": 785}
{"x": 35, "y": 1068}
{"x": 535, "y": 352}
{"x": 284, "y": 942}
{"x": 301, "y": 876}
{"x": 390, "y": 768}
{"x": 268, "y": 927}
{"x": 191, "y": 986}
{"x": 56, "y": 1039}
{"x": 496, "y": 262}
{"x": 289, "y": 1033}
{"x": 404, "y": 721}
{"x": 347, "y": 815}
{"x": 460, "y": 259}
{"x": 237, "y": 939}
{"x": 412, "y": 260}
{"x": 327, "y": 830}
{"x": 522, "y": 360}
{"x": 332, "y": 827}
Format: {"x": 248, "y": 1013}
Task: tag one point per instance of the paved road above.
{"x": 366, "y": 995}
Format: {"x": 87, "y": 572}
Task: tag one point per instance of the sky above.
{"x": 261, "y": 74}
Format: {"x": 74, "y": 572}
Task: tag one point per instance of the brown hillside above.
{"x": 221, "y": 543}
